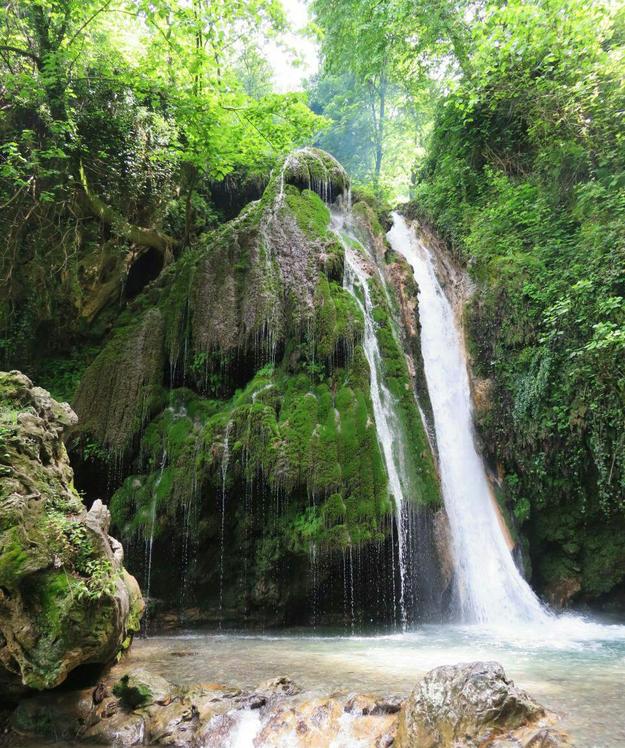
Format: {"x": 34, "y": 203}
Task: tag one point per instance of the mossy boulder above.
{"x": 65, "y": 597}
{"x": 314, "y": 169}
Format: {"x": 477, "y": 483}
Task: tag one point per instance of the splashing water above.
{"x": 488, "y": 586}
{"x": 247, "y": 726}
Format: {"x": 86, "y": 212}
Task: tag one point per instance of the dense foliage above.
{"x": 117, "y": 119}
{"x": 382, "y": 62}
{"x": 525, "y": 177}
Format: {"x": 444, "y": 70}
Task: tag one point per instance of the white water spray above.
{"x": 489, "y": 587}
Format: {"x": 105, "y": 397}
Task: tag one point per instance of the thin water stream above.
{"x": 149, "y": 543}
{"x": 225, "y": 460}
{"x": 356, "y": 281}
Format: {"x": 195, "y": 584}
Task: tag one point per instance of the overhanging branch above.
{"x": 144, "y": 237}
{"x": 22, "y": 52}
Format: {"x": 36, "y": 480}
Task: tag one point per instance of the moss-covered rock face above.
{"x": 314, "y": 169}
{"x": 230, "y": 303}
{"x": 65, "y": 597}
{"x": 232, "y": 408}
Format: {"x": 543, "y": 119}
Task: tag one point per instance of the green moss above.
{"x": 369, "y": 216}
{"x": 51, "y": 594}
{"x": 13, "y": 558}
{"x": 333, "y": 509}
{"x": 311, "y": 213}
{"x": 132, "y": 695}
{"x": 338, "y": 324}
{"x": 310, "y": 438}
{"x": 417, "y": 460}
{"x": 332, "y": 259}
{"x": 315, "y": 169}
{"x": 54, "y": 597}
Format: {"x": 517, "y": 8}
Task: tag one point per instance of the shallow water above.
{"x": 573, "y": 667}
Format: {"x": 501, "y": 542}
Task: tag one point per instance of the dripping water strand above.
{"x": 224, "y": 477}
{"x": 149, "y": 543}
{"x": 356, "y": 282}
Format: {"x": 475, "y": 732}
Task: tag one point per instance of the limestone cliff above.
{"x": 231, "y": 412}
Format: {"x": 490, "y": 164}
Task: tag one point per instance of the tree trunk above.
{"x": 379, "y": 146}
{"x": 145, "y": 237}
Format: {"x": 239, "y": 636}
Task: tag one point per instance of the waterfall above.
{"x": 356, "y": 281}
{"x": 488, "y": 586}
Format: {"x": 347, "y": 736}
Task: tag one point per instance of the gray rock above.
{"x": 120, "y": 729}
{"x": 463, "y": 705}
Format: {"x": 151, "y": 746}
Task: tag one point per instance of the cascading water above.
{"x": 489, "y": 587}
{"x": 356, "y": 282}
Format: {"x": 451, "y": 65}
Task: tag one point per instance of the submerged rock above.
{"x": 65, "y": 598}
{"x": 119, "y": 729}
{"x": 474, "y": 704}
{"x": 316, "y": 722}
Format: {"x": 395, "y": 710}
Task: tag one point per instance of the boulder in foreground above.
{"x": 65, "y": 598}
{"x": 474, "y": 704}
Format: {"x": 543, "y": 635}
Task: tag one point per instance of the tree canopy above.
{"x": 127, "y": 111}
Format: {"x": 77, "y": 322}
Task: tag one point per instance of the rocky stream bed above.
{"x": 467, "y": 705}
